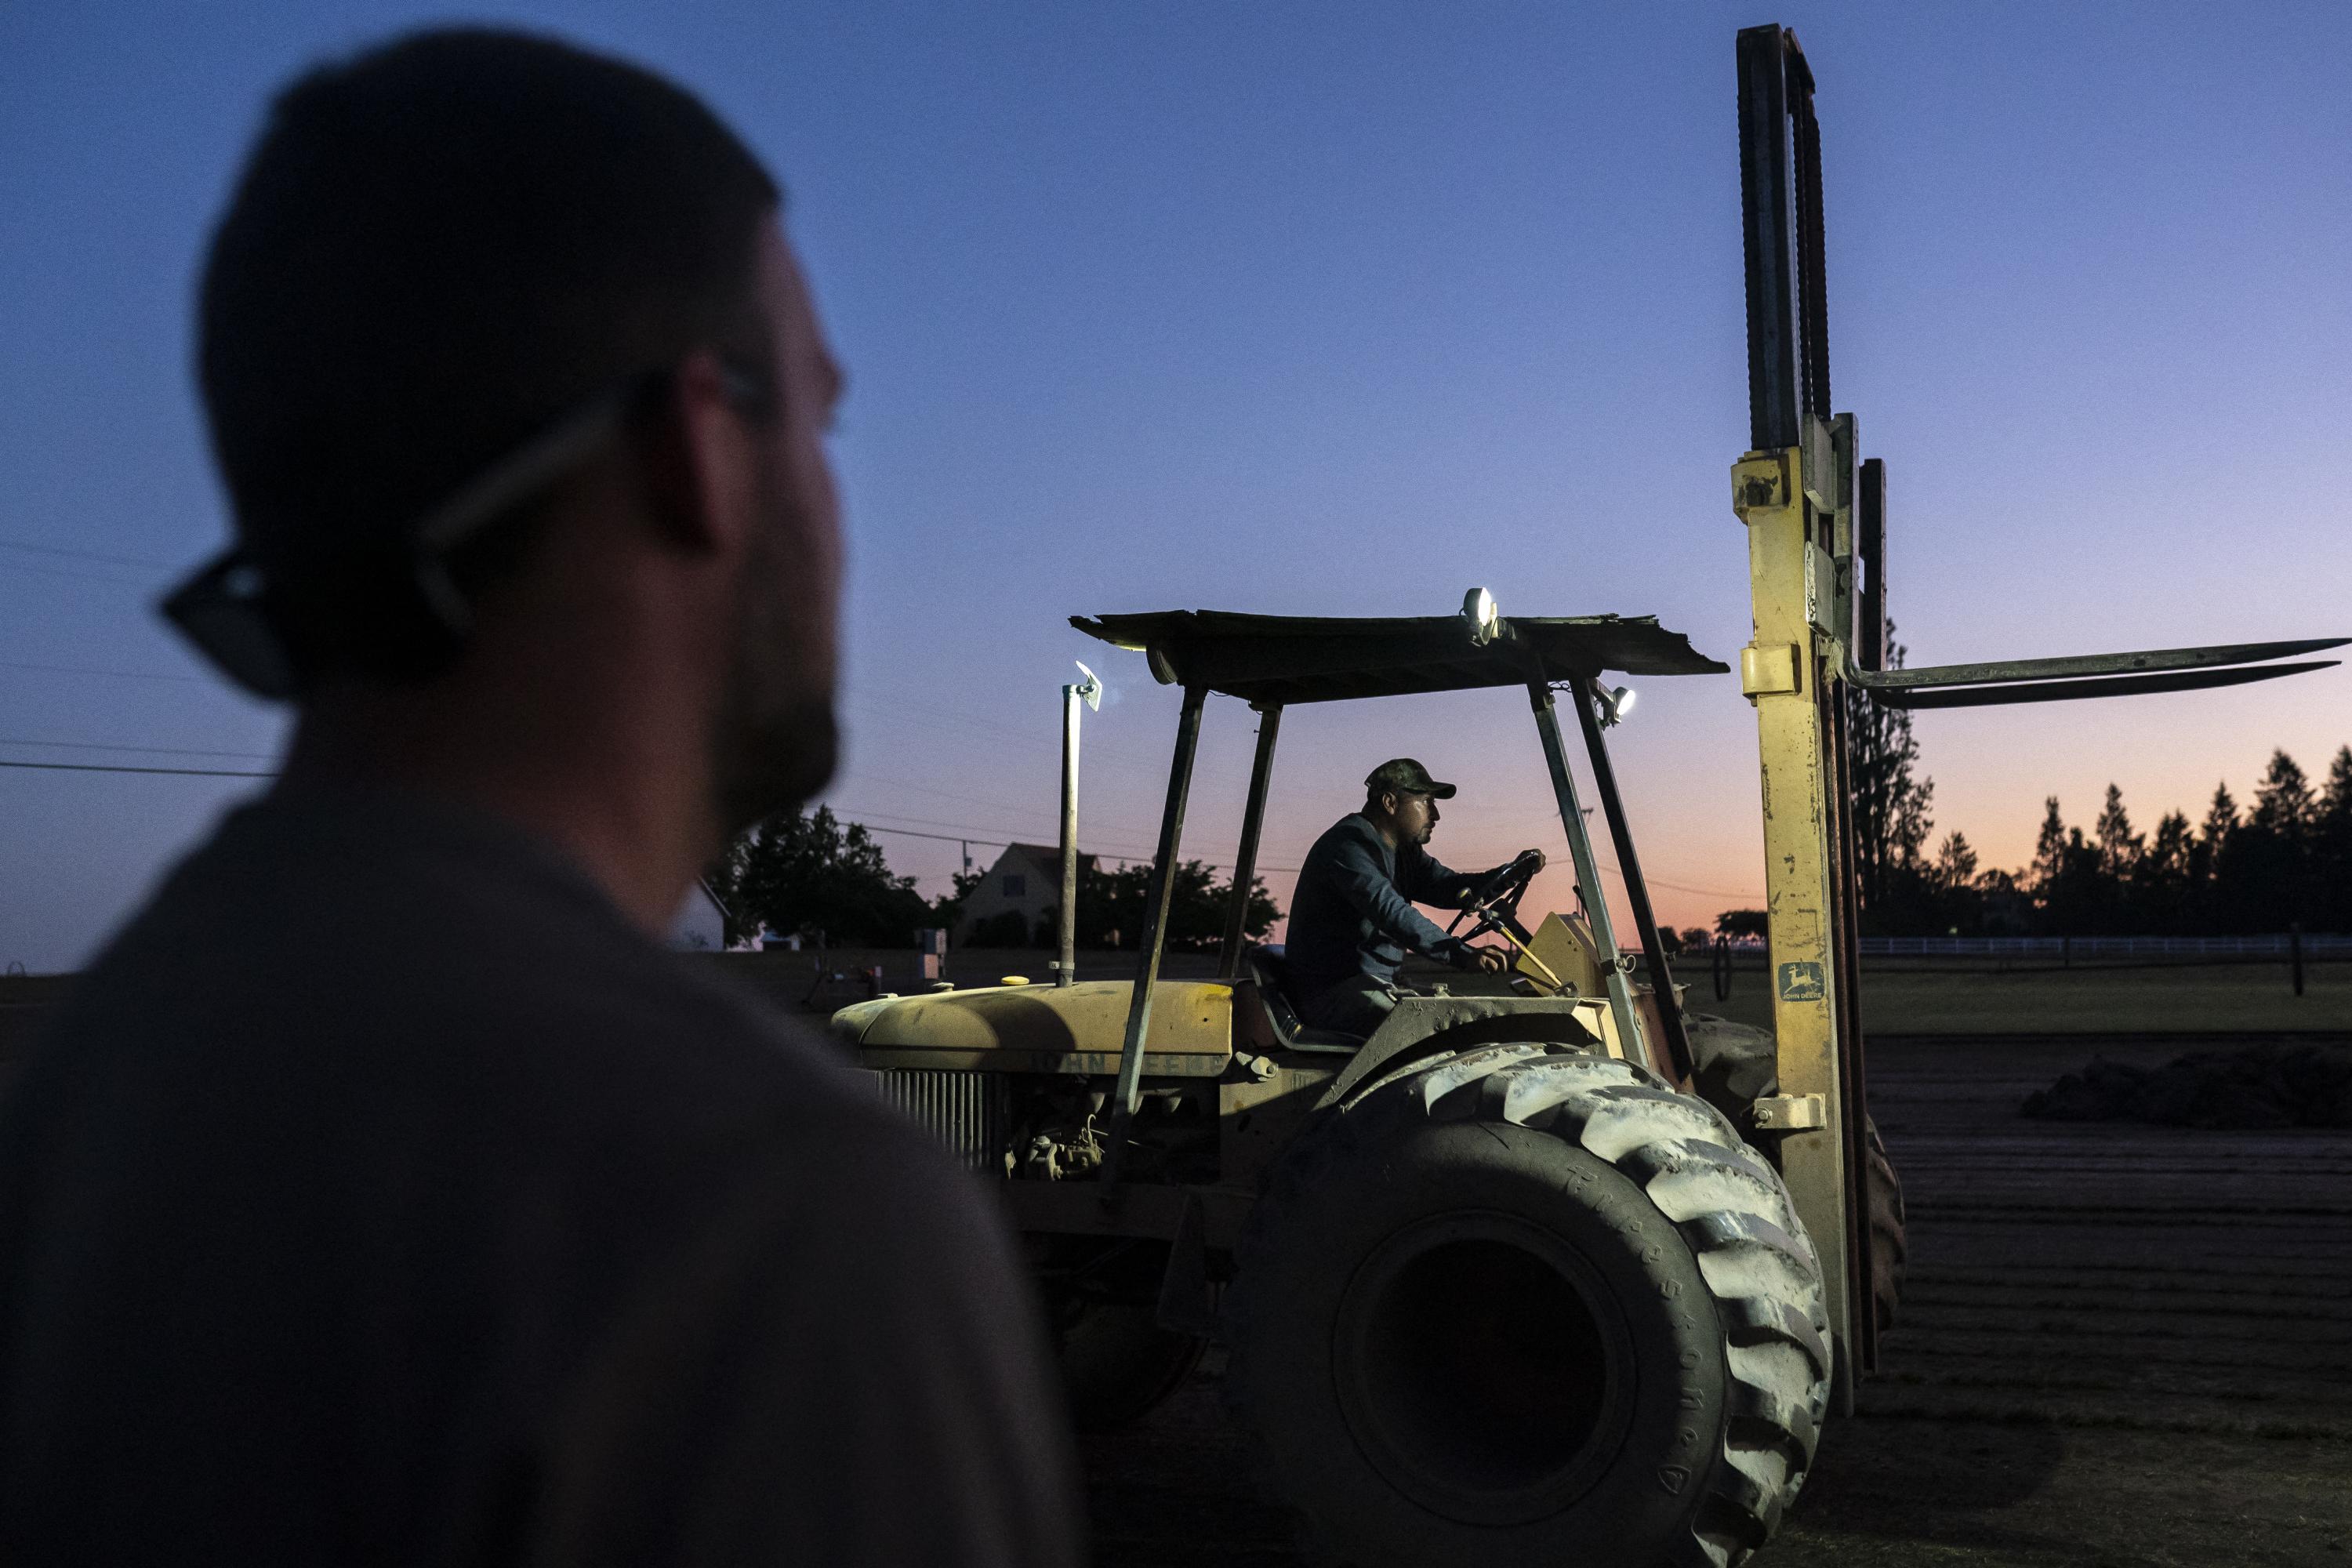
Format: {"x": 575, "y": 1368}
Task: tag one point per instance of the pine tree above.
{"x": 2332, "y": 844}
{"x": 1956, "y": 862}
{"x": 1955, "y": 905}
{"x": 1891, "y": 820}
{"x": 2220, "y": 821}
{"x": 2220, "y": 816}
{"x": 2077, "y": 898}
{"x": 2160, "y": 881}
{"x": 2050, "y": 846}
{"x": 2167, "y": 850}
{"x": 2282, "y": 801}
{"x": 2336, "y": 798}
{"x": 2201, "y": 902}
{"x": 2119, "y": 846}
{"x": 2266, "y": 875}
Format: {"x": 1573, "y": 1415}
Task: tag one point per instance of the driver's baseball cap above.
{"x": 1405, "y": 776}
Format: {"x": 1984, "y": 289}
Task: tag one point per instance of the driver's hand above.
{"x": 1493, "y": 960}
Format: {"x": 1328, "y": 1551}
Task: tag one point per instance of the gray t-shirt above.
{"x": 381, "y": 1195}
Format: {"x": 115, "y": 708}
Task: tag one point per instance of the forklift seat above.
{"x": 1271, "y": 973}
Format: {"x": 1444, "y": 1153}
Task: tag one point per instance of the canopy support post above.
{"x": 1269, "y": 725}
{"x": 1630, "y": 1039}
{"x": 1153, "y": 939}
{"x": 1637, "y": 892}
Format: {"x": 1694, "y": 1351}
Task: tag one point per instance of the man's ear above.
{"x": 701, "y": 461}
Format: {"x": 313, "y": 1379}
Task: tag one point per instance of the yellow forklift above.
{"x": 1544, "y": 1271}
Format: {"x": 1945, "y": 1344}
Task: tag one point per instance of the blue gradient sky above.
{"x": 1318, "y": 309}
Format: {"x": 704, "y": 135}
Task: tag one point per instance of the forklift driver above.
{"x": 1352, "y": 920}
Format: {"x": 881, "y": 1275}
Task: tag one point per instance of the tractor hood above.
{"x": 1045, "y": 1028}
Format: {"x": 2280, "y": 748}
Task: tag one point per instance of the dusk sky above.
{"x": 1317, "y": 310}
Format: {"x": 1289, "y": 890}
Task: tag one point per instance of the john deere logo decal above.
{"x": 1801, "y": 982}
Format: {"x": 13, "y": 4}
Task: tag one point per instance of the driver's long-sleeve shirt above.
{"x": 1351, "y": 918}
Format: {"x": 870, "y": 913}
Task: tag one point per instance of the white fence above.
{"x": 2273, "y": 946}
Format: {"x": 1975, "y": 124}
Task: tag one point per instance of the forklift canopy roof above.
{"x": 1296, "y": 658}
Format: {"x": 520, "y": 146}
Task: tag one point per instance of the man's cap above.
{"x": 1405, "y": 776}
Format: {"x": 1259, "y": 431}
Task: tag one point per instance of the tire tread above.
{"x": 1731, "y": 1208}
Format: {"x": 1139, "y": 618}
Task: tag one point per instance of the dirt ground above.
{"x": 2121, "y": 1347}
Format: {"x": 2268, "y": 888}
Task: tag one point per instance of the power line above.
{"x": 1026, "y": 733}
{"x": 116, "y": 674}
{"x": 993, "y": 835}
{"x": 980, "y": 836}
{"x": 977, "y": 835}
{"x": 82, "y": 576}
{"x": 893, "y": 704}
{"x": 926, "y": 789}
{"x": 1685, "y": 887}
{"x": 168, "y": 750}
{"x": 27, "y": 546}
{"x": 985, "y": 835}
{"x": 119, "y": 768}
{"x": 942, "y": 837}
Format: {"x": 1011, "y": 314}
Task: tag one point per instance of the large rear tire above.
{"x": 1525, "y": 1305}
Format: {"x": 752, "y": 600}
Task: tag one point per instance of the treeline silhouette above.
{"x": 812, "y": 875}
{"x": 2284, "y": 860}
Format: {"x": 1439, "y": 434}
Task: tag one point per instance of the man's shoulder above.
{"x": 487, "y": 964}
{"x": 1351, "y": 831}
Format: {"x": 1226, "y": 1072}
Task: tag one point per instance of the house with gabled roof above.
{"x": 1014, "y": 896}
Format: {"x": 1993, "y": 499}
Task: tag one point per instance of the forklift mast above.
{"x": 1816, "y": 521}
{"x": 1796, "y": 491}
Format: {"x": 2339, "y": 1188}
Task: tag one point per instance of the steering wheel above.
{"x": 1495, "y": 901}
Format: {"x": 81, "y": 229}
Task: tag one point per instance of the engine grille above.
{"x": 971, "y": 1113}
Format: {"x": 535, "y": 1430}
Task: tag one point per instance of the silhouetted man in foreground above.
{"x": 386, "y": 1194}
